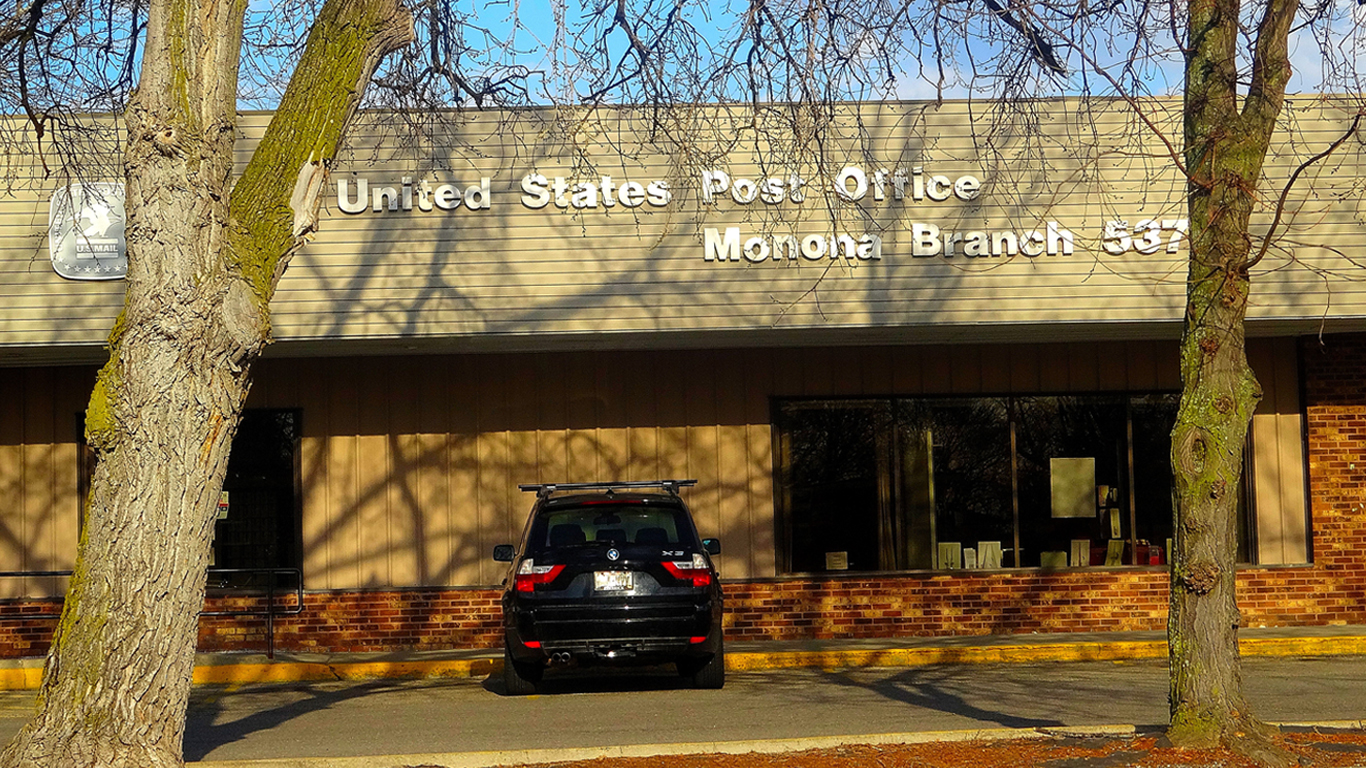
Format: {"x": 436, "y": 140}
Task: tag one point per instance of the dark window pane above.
{"x": 883, "y": 484}
{"x": 955, "y": 476}
{"x": 616, "y": 524}
{"x": 834, "y": 460}
{"x": 259, "y": 527}
{"x": 1153, "y": 417}
{"x": 1054, "y": 438}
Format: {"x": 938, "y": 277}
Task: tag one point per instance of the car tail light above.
{"x": 695, "y": 570}
{"x": 529, "y": 574}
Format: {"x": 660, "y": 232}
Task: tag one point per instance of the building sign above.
{"x": 717, "y": 189}
{"x": 85, "y": 232}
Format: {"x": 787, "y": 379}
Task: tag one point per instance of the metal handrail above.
{"x": 545, "y": 489}
{"x": 269, "y": 611}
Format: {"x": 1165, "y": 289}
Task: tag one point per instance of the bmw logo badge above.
{"x": 612, "y": 554}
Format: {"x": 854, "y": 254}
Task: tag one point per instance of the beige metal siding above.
{"x": 410, "y": 464}
{"x": 1278, "y": 462}
{"x": 535, "y": 275}
{"x": 39, "y": 473}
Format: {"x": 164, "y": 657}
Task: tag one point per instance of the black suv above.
{"x": 611, "y": 573}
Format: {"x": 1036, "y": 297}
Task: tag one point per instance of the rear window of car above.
{"x": 617, "y": 524}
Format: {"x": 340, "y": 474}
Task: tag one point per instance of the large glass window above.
{"x": 981, "y": 482}
{"x": 837, "y": 456}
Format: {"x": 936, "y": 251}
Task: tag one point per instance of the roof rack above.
{"x": 545, "y": 489}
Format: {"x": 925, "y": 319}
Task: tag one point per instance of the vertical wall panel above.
{"x": 936, "y": 373}
{"x": 315, "y": 465}
{"x": 73, "y": 388}
{"x": 965, "y": 369}
{"x": 1277, "y": 454}
{"x": 1141, "y": 365}
{"x": 789, "y": 375}
{"x": 1167, "y": 358}
{"x": 40, "y": 468}
{"x": 583, "y": 460}
{"x": 1112, "y": 367}
{"x": 403, "y": 489}
{"x": 1024, "y": 367}
{"x": 432, "y": 443}
{"x": 14, "y": 543}
{"x": 670, "y": 396}
{"x": 1082, "y": 368}
{"x": 757, "y": 539}
{"x": 39, "y": 474}
{"x": 611, "y": 438}
{"x": 13, "y": 535}
{"x": 700, "y": 413}
{"x": 465, "y": 484}
{"x": 343, "y": 487}
{"x": 552, "y": 439}
{"x": 377, "y": 391}
{"x": 732, "y": 462}
{"x": 877, "y": 371}
{"x": 844, "y": 370}
{"x": 642, "y": 417}
{"x": 996, "y": 370}
{"x": 1054, "y": 365}
{"x": 495, "y": 459}
{"x": 530, "y": 429}
{"x": 907, "y": 371}
{"x": 1290, "y": 488}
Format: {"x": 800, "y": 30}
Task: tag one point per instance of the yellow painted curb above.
{"x": 21, "y": 679}
{"x": 289, "y": 671}
{"x": 1346, "y": 645}
{"x": 914, "y": 657}
{"x": 27, "y": 678}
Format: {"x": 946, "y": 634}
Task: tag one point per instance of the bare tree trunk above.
{"x": 1225, "y": 147}
{"x": 203, "y": 263}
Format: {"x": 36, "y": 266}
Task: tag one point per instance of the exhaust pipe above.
{"x": 560, "y": 658}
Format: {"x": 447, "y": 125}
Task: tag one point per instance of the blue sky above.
{"x": 538, "y": 35}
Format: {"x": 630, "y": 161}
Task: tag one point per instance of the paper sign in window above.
{"x": 1074, "y": 486}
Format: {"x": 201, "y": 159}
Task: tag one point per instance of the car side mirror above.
{"x": 713, "y": 546}
{"x": 504, "y": 553}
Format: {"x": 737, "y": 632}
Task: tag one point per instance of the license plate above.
{"x": 613, "y": 580}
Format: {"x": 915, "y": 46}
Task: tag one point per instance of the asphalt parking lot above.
{"x": 577, "y": 709}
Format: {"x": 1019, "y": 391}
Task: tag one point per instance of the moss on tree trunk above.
{"x": 1226, "y": 141}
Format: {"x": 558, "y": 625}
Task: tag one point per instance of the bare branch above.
{"x": 1285, "y": 192}
{"x": 1041, "y": 49}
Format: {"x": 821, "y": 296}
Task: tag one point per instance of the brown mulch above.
{"x": 1323, "y": 750}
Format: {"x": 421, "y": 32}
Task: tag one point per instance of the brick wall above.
{"x": 1331, "y": 591}
{"x": 782, "y": 609}
{"x": 1334, "y": 375}
{"x": 408, "y": 619}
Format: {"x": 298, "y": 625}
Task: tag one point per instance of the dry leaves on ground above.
{"x": 1321, "y": 750}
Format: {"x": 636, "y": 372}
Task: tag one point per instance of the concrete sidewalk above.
{"x": 240, "y": 669}
{"x": 499, "y": 759}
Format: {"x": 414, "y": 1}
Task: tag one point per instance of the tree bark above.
{"x": 204, "y": 260}
{"x": 1225, "y": 147}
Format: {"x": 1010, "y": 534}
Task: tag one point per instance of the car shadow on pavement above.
{"x": 572, "y": 680}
